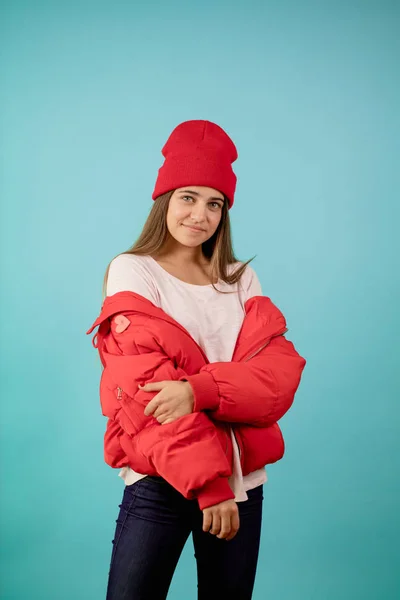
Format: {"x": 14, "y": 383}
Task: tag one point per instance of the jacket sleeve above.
{"x": 188, "y": 453}
{"x": 257, "y": 392}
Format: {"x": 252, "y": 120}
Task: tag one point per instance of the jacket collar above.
{"x": 263, "y": 320}
{"x": 122, "y": 301}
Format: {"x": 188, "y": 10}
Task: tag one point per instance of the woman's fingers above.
{"x": 225, "y": 526}
{"x": 207, "y": 520}
{"x": 157, "y": 413}
{"x": 222, "y": 520}
{"x": 151, "y": 407}
{"x": 216, "y": 524}
{"x": 235, "y": 524}
{"x": 159, "y": 410}
{"x": 162, "y": 418}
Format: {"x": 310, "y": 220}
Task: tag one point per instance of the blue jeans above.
{"x": 153, "y": 525}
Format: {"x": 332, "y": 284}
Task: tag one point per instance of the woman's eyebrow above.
{"x": 189, "y": 192}
{"x": 197, "y": 194}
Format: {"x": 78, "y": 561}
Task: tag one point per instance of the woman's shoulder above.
{"x": 126, "y": 258}
{"x": 131, "y": 272}
{"x": 249, "y": 281}
{"x": 129, "y": 266}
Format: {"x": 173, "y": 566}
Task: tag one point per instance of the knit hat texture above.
{"x": 198, "y": 153}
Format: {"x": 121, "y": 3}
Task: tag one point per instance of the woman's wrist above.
{"x": 205, "y": 391}
{"x": 190, "y": 393}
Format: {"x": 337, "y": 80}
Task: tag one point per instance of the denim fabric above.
{"x": 153, "y": 524}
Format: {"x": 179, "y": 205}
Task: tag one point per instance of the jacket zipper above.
{"x": 266, "y": 344}
{"x": 119, "y": 393}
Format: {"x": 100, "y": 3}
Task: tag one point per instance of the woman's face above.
{"x": 194, "y": 213}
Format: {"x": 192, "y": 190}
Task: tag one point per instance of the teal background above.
{"x": 309, "y": 91}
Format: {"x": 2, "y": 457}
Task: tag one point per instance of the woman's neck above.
{"x": 187, "y": 264}
{"x": 181, "y": 255}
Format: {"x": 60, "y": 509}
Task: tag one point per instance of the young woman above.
{"x": 197, "y": 372}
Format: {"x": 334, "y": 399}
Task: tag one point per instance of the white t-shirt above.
{"x": 212, "y": 319}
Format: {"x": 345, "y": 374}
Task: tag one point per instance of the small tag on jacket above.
{"x": 121, "y": 323}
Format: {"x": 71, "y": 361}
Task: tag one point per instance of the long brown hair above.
{"x": 218, "y": 249}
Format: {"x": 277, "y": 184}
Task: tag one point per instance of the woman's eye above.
{"x": 215, "y": 204}
{"x": 187, "y": 198}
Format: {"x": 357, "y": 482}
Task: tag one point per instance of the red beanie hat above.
{"x": 198, "y": 153}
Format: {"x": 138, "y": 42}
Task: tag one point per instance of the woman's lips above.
{"x": 194, "y": 229}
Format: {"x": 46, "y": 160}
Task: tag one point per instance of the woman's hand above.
{"x": 222, "y": 520}
{"x": 175, "y": 400}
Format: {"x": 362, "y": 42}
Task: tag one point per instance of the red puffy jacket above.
{"x": 250, "y": 394}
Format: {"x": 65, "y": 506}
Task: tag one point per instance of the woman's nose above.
{"x": 198, "y": 213}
